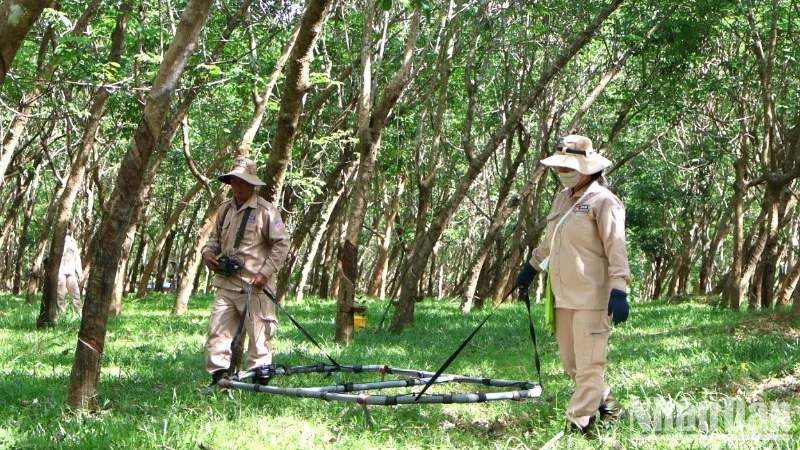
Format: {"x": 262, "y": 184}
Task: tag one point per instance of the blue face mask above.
{"x": 569, "y": 179}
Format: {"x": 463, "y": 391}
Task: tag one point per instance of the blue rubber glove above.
{"x": 618, "y": 307}
{"x": 525, "y": 278}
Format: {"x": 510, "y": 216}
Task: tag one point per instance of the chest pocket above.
{"x": 580, "y": 226}
{"x": 552, "y": 221}
{"x": 236, "y": 228}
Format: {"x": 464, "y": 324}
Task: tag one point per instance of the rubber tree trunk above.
{"x": 63, "y": 207}
{"x": 193, "y": 264}
{"x": 16, "y": 20}
{"x": 733, "y": 295}
{"x": 125, "y": 206}
{"x": 502, "y": 212}
{"x": 23, "y": 241}
{"x": 177, "y": 122}
{"x": 320, "y": 230}
{"x": 314, "y": 214}
{"x": 707, "y": 267}
{"x": 37, "y": 274}
{"x": 378, "y": 285}
{"x": 368, "y": 147}
{"x": 115, "y": 307}
{"x": 789, "y": 285}
{"x": 29, "y": 99}
{"x": 158, "y": 249}
{"x": 424, "y": 245}
{"x": 295, "y": 88}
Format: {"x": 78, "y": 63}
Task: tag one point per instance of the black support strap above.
{"x": 469, "y": 338}
{"x": 536, "y": 360}
{"x": 242, "y": 225}
{"x": 238, "y": 339}
{"x": 299, "y": 327}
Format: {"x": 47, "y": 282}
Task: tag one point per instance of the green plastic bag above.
{"x": 549, "y": 306}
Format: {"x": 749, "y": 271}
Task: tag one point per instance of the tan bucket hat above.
{"x": 244, "y": 169}
{"x": 576, "y": 152}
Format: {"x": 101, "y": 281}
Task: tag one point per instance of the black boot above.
{"x": 611, "y": 410}
{"x": 218, "y": 375}
{"x": 588, "y": 430}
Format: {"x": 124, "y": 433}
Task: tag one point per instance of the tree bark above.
{"x": 707, "y": 268}
{"x": 125, "y": 207}
{"x": 378, "y": 285}
{"x": 368, "y": 147}
{"x": 261, "y": 102}
{"x": 115, "y": 306}
{"x": 429, "y": 161}
{"x": 789, "y": 286}
{"x": 23, "y": 235}
{"x": 193, "y": 264}
{"x": 63, "y": 211}
{"x": 169, "y": 225}
{"x": 311, "y": 217}
{"x": 296, "y": 86}
{"x": 29, "y": 100}
{"x": 503, "y": 210}
{"x": 734, "y": 293}
{"x": 423, "y": 247}
{"x": 27, "y": 185}
{"x": 16, "y": 20}
{"x": 323, "y": 223}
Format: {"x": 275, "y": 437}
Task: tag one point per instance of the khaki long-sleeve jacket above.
{"x": 589, "y": 255}
{"x": 264, "y": 245}
{"x": 71, "y": 260}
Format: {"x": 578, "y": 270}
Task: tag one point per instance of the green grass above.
{"x": 153, "y": 363}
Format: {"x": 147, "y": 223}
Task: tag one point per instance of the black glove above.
{"x": 618, "y": 307}
{"x": 525, "y": 278}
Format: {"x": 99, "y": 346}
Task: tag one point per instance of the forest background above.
{"x": 401, "y": 142}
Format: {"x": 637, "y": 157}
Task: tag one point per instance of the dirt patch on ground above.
{"x": 779, "y": 322}
{"x": 785, "y": 387}
{"x": 782, "y": 323}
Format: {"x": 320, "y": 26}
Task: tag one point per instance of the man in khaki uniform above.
{"x": 257, "y": 257}
{"x": 584, "y": 249}
{"x": 70, "y": 274}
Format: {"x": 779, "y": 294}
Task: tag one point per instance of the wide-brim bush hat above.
{"x": 576, "y": 152}
{"x": 244, "y": 169}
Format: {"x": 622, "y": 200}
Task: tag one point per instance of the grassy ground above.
{"x": 688, "y": 356}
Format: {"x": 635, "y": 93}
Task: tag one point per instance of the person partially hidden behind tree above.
{"x": 585, "y": 253}
{"x": 70, "y": 274}
{"x": 246, "y": 249}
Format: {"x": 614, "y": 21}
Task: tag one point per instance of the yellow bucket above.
{"x": 359, "y": 321}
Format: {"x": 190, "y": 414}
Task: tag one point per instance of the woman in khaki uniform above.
{"x": 70, "y": 274}
{"x": 584, "y": 249}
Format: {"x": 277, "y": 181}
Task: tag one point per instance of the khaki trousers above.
{"x": 68, "y": 283}
{"x": 260, "y": 325}
{"x": 583, "y": 343}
